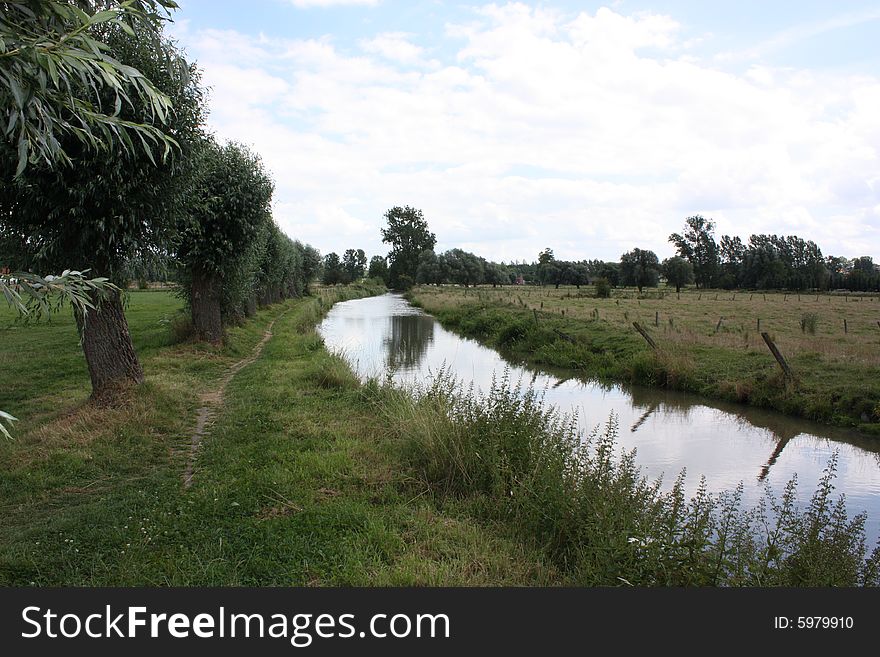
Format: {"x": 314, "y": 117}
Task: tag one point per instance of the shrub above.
{"x": 588, "y": 507}
{"x": 603, "y": 288}
{"x": 809, "y": 322}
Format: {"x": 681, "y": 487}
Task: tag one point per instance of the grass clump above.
{"x": 507, "y": 458}
{"x": 809, "y": 322}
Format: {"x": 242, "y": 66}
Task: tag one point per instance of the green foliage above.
{"x": 229, "y": 209}
{"x": 408, "y": 235}
{"x": 428, "y": 272}
{"x": 698, "y": 246}
{"x": 514, "y": 461}
{"x": 639, "y": 267}
{"x": 354, "y": 263}
{"x": 678, "y": 272}
{"x": 35, "y": 296}
{"x": 461, "y": 267}
{"x": 117, "y": 203}
{"x": 603, "y": 288}
{"x": 378, "y": 268}
{"x": 809, "y": 323}
{"x": 60, "y": 79}
{"x": 332, "y": 271}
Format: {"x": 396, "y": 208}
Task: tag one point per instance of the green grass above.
{"x": 834, "y": 381}
{"x": 294, "y": 485}
{"x": 308, "y": 477}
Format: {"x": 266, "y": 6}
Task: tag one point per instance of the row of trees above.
{"x": 107, "y": 161}
{"x": 764, "y": 262}
{"x": 352, "y": 267}
{"x": 768, "y": 261}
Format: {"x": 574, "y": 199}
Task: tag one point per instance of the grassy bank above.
{"x": 294, "y": 485}
{"x": 708, "y": 342}
{"x": 308, "y": 477}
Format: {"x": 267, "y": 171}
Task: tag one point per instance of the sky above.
{"x": 590, "y": 128}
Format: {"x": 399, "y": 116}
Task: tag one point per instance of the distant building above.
{"x": 519, "y": 280}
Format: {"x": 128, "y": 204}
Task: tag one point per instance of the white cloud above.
{"x": 308, "y": 4}
{"x": 591, "y": 135}
{"x": 395, "y": 46}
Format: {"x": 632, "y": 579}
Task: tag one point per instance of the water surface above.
{"x": 727, "y": 443}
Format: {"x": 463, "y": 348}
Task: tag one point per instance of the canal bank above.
{"x": 730, "y": 444}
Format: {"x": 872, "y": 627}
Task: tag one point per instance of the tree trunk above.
{"x": 106, "y": 342}
{"x": 250, "y": 306}
{"x": 206, "y": 307}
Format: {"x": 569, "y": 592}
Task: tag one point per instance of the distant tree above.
{"x": 678, "y": 272}
{"x": 610, "y": 271}
{"x": 428, "y": 272}
{"x": 354, "y": 262}
{"x": 333, "y": 272}
{"x": 578, "y": 274}
{"x": 496, "y": 274}
{"x": 378, "y": 268}
{"x": 311, "y": 264}
{"x": 548, "y": 270}
{"x": 733, "y": 257}
{"x": 698, "y": 246}
{"x": 408, "y": 235}
{"x": 462, "y": 267}
{"x": 641, "y": 268}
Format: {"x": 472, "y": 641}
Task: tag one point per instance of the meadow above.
{"x": 306, "y": 476}
{"x": 708, "y": 341}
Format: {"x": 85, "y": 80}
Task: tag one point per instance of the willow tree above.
{"x": 220, "y": 235}
{"x": 90, "y": 199}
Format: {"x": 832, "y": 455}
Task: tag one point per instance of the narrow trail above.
{"x": 213, "y": 399}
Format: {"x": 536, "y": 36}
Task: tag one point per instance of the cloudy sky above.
{"x": 587, "y": 127}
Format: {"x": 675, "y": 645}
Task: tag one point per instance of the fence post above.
{"x": 777, "y": 355}
{"x": 645, "y": 335}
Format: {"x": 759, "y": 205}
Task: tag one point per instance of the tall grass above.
{"x": 514, "y": 461}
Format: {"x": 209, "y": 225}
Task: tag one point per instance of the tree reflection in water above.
{"x": 408, "y": 341}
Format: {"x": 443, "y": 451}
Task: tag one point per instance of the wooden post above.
{"x": 845, "y": 328}
{"x": 718, "y": 325}
{"x": 656, "y": 318}
{"x": 536, "y": 316}
{"x": 777, "y": 355}
{"x": 759, "y": 325}
{"x": 645, "y": 335}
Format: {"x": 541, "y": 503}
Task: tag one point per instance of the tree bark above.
{"x": 205, "y": 302}
{"x": 106, "y": 342}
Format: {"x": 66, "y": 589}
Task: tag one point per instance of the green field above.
{"x": 709, "y": 342}
{"x": 292, "y": 486}
{"x": 308, "y": 477}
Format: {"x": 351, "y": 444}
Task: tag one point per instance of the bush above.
{"x": 809, "y": 322}
{"x": 603, "y": 288}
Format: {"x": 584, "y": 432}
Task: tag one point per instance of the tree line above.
{"x": 107, "y": 166}
{"x": 763, "y": 262}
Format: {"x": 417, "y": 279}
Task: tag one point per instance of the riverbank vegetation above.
{"x": 708, "y": 341}
{"x": 308, "y": 477}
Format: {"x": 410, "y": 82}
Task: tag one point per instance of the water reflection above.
{"x": 671, "y": 431}
{"x": 408, "y": 340}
